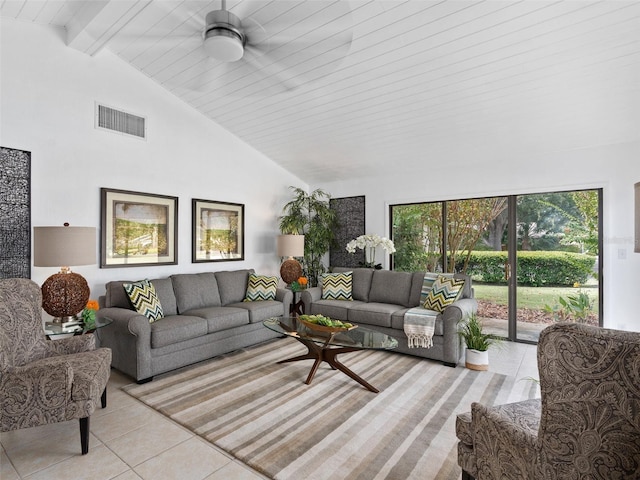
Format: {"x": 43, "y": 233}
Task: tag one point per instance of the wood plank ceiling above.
{"x": 346, "y": 90}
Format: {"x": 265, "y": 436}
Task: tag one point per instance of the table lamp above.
{"x": 290, "y": 246}
{"x": 64, "y": 294}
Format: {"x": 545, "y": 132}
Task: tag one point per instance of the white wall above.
{"x": 47, "y": 107}
{"x": 614, "y": 168}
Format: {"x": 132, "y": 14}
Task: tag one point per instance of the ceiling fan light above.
{"x": 223, "y": 45}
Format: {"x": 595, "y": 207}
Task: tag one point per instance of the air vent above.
{"x": 108, "y": 118}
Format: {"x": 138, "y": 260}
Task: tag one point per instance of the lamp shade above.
{"x": 290, "y": 245}
{"x": 64, "y": 246}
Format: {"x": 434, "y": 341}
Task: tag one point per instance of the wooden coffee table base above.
{"x": 325, "y": 353}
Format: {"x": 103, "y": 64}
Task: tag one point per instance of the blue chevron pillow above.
{"x": 144, "y": 299}
{"x": 261, "y": 287}
{"x": 444, "y": 292}
{"x": 337, "y": 286}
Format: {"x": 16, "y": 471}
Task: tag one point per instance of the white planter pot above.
{"x": 476, "y": 360}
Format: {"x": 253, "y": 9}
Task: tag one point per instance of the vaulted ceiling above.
{"x": 346, "y": 89}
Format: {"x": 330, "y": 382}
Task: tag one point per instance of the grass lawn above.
{"x": 531, "y": 297}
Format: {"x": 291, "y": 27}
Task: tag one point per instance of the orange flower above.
{"x": 303, "y": 281}
{"x": 93, "y": 305}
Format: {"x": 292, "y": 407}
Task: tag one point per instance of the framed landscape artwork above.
{"x": 218, "y": 231}
{"x": 138, "y": 229}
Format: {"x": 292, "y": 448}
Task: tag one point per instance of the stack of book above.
{"x": 69, "y": 326}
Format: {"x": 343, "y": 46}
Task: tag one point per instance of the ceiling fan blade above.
{"x": 306, "y": 42}
{"x": 256, "y": 59}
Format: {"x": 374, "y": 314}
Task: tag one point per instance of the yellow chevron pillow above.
{"x": 261, "y": 288}
{"x": 337, "y": 286}
{"x": 443, "y": 293}
{"x": 144, "y": 299}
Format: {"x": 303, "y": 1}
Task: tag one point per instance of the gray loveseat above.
{"x": 204, "y": 316}
{"x": 380, "y": 300}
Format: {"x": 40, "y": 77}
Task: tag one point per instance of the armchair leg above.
{"x": 84, "y": 435}
{"x": 466, "y": 476}
{"x": 103, "y": 398}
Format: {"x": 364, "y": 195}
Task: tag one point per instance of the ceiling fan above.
{"x": 276, "y": 42}
{"x": 224, "y": 37}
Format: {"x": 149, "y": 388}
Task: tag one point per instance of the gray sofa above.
{"x": 204, "y": 316}
{"x": 380, "y": 300}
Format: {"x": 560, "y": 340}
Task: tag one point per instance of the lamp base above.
{"x": 64, "y": 295}
{"x": 290, "y": 271}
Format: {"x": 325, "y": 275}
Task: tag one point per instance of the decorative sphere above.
{"x": 290, "y": 271}
{"x": 64, "y": 294}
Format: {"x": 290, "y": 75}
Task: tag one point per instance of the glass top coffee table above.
{"x": 326, "y": 346}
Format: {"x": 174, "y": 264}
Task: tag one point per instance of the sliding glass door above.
{"x": 533, "y": 258}
{"x": 557, "y": 244}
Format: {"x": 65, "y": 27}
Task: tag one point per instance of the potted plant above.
{"x": 477, "y": 342}
{"x": 309, "y": 214}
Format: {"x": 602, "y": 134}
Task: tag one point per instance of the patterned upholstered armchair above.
{"x": 586, "y": 424}
{"x": 44, "y": 381}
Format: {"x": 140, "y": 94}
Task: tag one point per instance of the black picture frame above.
{"x": 217, "y": 231}
{"x": 137, "y": 229}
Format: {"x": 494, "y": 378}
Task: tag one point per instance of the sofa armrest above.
{"x": 310, "y": 295}
{"x": 505, "y": 442}
{"x": 129, "y": 338}
{"x": 451, "y": 317}
{"x": 77, "y": 344}
{"x": 285, "y": 296}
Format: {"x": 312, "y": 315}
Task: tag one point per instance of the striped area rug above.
{"x": 263, "y": 414}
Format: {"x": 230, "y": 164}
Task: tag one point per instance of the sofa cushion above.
{"x": 144, "y": 299}
{"x": 115, "y": 295}
{"x": 417, "y": 280}
{"x": 261, "y": 287}
{"x": 195, "y": 290}
{"x": 467, "y": 292}
{"x": 337, "y": 309}
{"x": 390, "y": 287}
{"x": 164, "y": 290}
{"x": 176, "y": 328}
{"x": 261, "y": 311}
{"x": 221, "y": 318}
{"x": 361, "y": 283}
{"x": 443, "y": 293}
{"x": 337, "y": 286}
{"x": 378, "y": 314}
{"x": 232, "y": 285}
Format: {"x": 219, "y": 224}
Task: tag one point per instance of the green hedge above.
{"x": 535, "y": 269}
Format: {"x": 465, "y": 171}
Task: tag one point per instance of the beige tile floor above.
{"x": 130, "y": 441}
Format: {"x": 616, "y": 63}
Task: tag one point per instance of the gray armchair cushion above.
{"x": 195, "y": 290}
{"x": 232, "y": 286}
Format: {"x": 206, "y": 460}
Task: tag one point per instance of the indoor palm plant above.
{"x": 309, "y": 214}
{"x": 477, "y": 342}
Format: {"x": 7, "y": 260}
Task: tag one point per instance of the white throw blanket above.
{"x": 419, "y": 325}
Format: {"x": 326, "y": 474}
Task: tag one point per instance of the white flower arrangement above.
{"x": 369, "y": 243}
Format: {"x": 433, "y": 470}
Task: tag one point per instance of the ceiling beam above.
{"x": 98, "y": 21}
